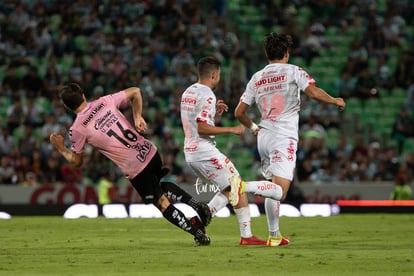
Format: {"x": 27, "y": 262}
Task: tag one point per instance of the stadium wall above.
{"x": 56, "y": 199}
{"x": 64, "y": 194}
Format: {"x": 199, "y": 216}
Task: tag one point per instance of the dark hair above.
{"x": 206, "y": 65}
{"x": 276, "y": 45}
{"x": 71, "y": 95}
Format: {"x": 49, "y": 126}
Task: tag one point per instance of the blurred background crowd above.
{"x": 361, "y": 50}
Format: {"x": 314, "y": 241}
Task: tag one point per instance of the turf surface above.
{"x": 371, "y": 244}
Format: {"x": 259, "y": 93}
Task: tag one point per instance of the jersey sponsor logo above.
{"x": 189, "y": 100}
{"x": 271, "y": 88}
{"x": 92, "y": 114}
{"x": 143, "y": 150}
{"x": 269, "y": 80}
{"x": 106, "y": 121}
{"x": 276, "y": 157}
{"x": 291, "y": 151}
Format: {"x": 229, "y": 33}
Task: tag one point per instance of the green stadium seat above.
{"x": 408, "y": 146}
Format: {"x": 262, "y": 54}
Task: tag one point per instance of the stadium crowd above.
{"x": 109, "y": 45}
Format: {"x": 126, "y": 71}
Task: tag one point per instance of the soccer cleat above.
{"x": 202, "y": 240}
{"x": 237, "y": 188}
{"x": 204, "y": 213}
{"x": 197, "y": 223}
{"x": 277, "y": 241}
{"x": 253, "y": 240}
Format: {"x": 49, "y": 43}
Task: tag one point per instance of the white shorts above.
{"x": 278, "y": 155}
{"x": 217, "y": 170}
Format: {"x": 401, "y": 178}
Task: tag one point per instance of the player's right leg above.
{"x": 176, "y": 217}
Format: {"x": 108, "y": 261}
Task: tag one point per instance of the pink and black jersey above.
{"x": 102, "y": 125}
{"x": 276, "y": 91}
{"x": 198, "y": 103}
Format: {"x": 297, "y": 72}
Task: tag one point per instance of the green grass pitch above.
{"x": 363, "y": 244}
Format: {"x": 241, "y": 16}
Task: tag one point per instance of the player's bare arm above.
{"x": 206, "y": 129}
{"x": 319, "y": 94}
{"x": 133, "y": 94}
{"x": 241, "y": 115}
{"x": 75, "y": 159}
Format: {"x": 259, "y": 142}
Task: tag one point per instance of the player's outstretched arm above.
{"x": 133, "y": 94}
{"x": 58, "y": 142}
{"x": 319, "y": 94}
{"x": 206, "y": 129}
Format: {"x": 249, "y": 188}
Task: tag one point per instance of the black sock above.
{"x": 176, "y": 194}
{"x": 177, "y": 218}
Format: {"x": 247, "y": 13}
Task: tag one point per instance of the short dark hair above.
{"x": 71, "y": 95}
{"x": 276, "y": 45}
{"x": 207, "y": 64}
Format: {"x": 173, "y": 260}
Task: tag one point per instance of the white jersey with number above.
{"x": 198, "y": 104}
{"x": 276, "y": 91}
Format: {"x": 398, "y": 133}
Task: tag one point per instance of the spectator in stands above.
{"x": 357, "y": 57}
{"x": 169, "y": 148}
{"x": 402, "y": 189}
{"x": 51, "y": 125}
{"x": 314, "y": 134}
{"x": 366, "y": 86}
{"x": 403, "y": 127}
{"x": 385, "y": 80}
{"x": 77, "y": 69}
{"x": 7, "y": 141}
{"x": 404, "y": 72}
{"x": 52, "y": 173}
{"x": 27, "y": 138}
{"x": 375, "y": 39}
{"x": 16, "y": 114}
{"x": 7, "y": 173}
{"x": 328, "y": 116}
{"x": 11, "y": 83}
{"x": 35, "y": 113}
{"x": 24, "y": 169}
{"x": 345, "y": 84}
{"x": 310, "y": 45}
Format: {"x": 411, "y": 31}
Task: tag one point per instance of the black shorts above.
{"x": 147, "y": 183}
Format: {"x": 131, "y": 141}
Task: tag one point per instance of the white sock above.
{"x": 218, "y": 202}
{"x": 264, "y": 188}
{"x": 243, "y": 217}
{"x": 272, "y": 214}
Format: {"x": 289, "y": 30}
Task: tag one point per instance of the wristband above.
{"x": 254, "y": 128}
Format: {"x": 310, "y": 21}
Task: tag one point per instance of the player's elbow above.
{"x": 132, "y": 93}
{"x": 239, "y": 112}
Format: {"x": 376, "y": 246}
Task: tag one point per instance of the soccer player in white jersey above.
{"x": 101, "y": 124}
{"x": 199, "y": 108}
{"x": 275, "y": 90}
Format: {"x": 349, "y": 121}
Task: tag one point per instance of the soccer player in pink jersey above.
{"x": 101, "y": 124}
{"x": 276, "y": 91}
{"x": 199, "y": 108}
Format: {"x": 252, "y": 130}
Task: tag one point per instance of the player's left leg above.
{"x": 176, "y": 194}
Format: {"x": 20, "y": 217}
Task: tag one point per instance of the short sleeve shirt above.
{"x": 276, "y": 91}
{"x": 102, "y": 125}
